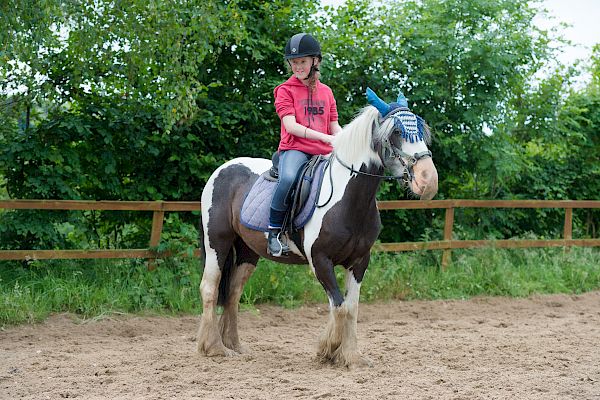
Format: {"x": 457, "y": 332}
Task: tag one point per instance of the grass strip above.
{"x": 29, "y": 292}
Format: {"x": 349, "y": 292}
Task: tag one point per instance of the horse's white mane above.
{"x": 354, "y": 144}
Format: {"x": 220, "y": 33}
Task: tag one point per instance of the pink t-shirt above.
{"x": 314, "y": 110}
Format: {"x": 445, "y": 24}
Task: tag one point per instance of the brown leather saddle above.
{"x": 302, "y": 186}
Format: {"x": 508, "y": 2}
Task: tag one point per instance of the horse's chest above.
{"x": 350, "y": 232}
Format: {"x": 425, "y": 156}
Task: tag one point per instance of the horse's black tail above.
{"x": 226, "y": 273}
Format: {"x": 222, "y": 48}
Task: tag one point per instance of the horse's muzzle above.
{"x": 425, "y": 184}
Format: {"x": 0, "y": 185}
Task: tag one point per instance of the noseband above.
{"x": 408, "y": 162}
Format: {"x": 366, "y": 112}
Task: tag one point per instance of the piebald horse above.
{"x": 340, "y": 232}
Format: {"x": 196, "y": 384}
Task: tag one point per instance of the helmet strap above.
{"x": 313, "y": 69}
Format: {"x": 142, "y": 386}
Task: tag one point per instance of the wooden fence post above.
{"x": 157, "y": 225}
{"x": 448, "y": 224}
{"x": 568, "y": 228}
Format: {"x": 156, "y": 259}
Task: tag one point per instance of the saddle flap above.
{"x": 303, "y": 183}
{"x": 255, "y": 207}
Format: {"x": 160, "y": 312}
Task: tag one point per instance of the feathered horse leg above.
{"x": 338, "y": 343}
{"x": 228, "y": 323}
{"x": 209, "y": 338}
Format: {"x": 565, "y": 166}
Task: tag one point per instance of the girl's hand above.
{"x": 327, "y": 139}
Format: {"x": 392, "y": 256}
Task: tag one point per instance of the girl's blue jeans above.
{"x": 290, "y": 162}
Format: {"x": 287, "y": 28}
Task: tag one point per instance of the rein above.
{"x": 408, "y": 168}
{"x": 398, "y": 154}
{"x": 352, "y": 170}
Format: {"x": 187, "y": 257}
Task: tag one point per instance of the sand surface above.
{"x": 544, "y": 347}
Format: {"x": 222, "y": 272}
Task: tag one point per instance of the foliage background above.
{"x": 140, "y": 100}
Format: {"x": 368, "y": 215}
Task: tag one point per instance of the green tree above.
{"x": 459, "y": 62}
{"x": 133, "y": 51}
{"x": 142, "y": 102}
{"x": 556, "y": 132}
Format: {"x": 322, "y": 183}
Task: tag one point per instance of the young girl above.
{"x": 309, "y": 119}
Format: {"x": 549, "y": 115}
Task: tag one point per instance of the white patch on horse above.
{"x": 212, "y": 273}
{"x": 354, "y": 147}
{"x": 340, "y": 178}
{"x": 206, "y": 201}
{"x": 352, "y": 292}
{"x": 256, "y": 165}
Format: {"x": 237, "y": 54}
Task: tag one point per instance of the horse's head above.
{"x": 400, "y": 139}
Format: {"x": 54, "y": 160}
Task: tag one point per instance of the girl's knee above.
{"x": 287, "y": 179}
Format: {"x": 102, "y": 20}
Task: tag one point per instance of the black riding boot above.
{"x": 275, "y": 245}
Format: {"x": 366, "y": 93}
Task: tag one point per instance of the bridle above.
{"x": 406, "y": 177}
{"x": 408, "y": 161}
{"x": 408, "y": 174}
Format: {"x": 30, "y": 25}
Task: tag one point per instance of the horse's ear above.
{"x": 402, "y": 101}
{"x": 375, "y": 101}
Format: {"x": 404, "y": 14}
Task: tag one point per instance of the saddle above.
{"x": 303, "y": 183}
{"x": 256, "y": 205}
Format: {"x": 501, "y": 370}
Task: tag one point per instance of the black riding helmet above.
{"x": 302, "y": 45}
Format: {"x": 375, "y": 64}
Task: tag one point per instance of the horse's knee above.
{"x": 326, "y": 276}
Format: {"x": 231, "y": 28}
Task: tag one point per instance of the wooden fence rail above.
{"x": 447, "y": 244}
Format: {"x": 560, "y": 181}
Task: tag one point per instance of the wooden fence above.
{"x": 447, "y": 244}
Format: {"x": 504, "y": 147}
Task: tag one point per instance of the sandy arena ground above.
{"x": 545, "y": 347}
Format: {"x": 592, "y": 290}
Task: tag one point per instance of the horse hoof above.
{"x": 351, "y": 362}
{"x": 360, "y": 362}
{"x": 357, "y": 362}
{"x": 230, "y": 353}
{"x": 239, "y": 349}
{"x": 218, "y": 351}
{"x": 242, "y": 349}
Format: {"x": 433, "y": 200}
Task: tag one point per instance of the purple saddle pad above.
{"x": 257, "y": 204}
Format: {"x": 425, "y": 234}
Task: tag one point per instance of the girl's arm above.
{"x": 335, "y": 127}
{"x": 291, "y": 126}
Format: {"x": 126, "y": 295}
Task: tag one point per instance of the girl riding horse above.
{"x": 340, "y": 232}
{"x": 309, "y": 118}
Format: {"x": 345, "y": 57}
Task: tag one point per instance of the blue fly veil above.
{"x": 411, "y": 127}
